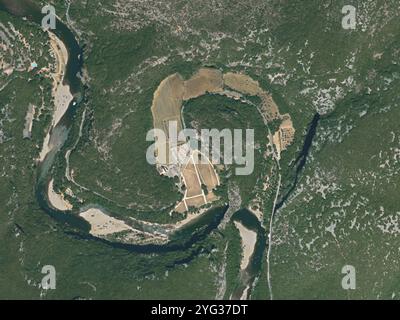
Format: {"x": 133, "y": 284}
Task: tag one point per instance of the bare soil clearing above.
{"x": 203, "y": 81}
{"x": 242, "y": 83}
{"x": 167, "y": 102}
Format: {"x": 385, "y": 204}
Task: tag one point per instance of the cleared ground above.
{"x": 203, "y": 81}
{"x": 167, "y": 102}
{"x": 194, "y": 175}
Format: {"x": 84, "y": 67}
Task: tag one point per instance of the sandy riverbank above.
{"x": 61, "y": 93}
{"x": 103, "y": 224}
{"x": 249, "y": 239}
{"x": 57, "y": 200}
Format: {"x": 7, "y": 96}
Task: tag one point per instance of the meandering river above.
{"x": 186, "y": 237}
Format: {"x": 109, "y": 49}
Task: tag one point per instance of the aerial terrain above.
{"x": 298, "y": 198}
